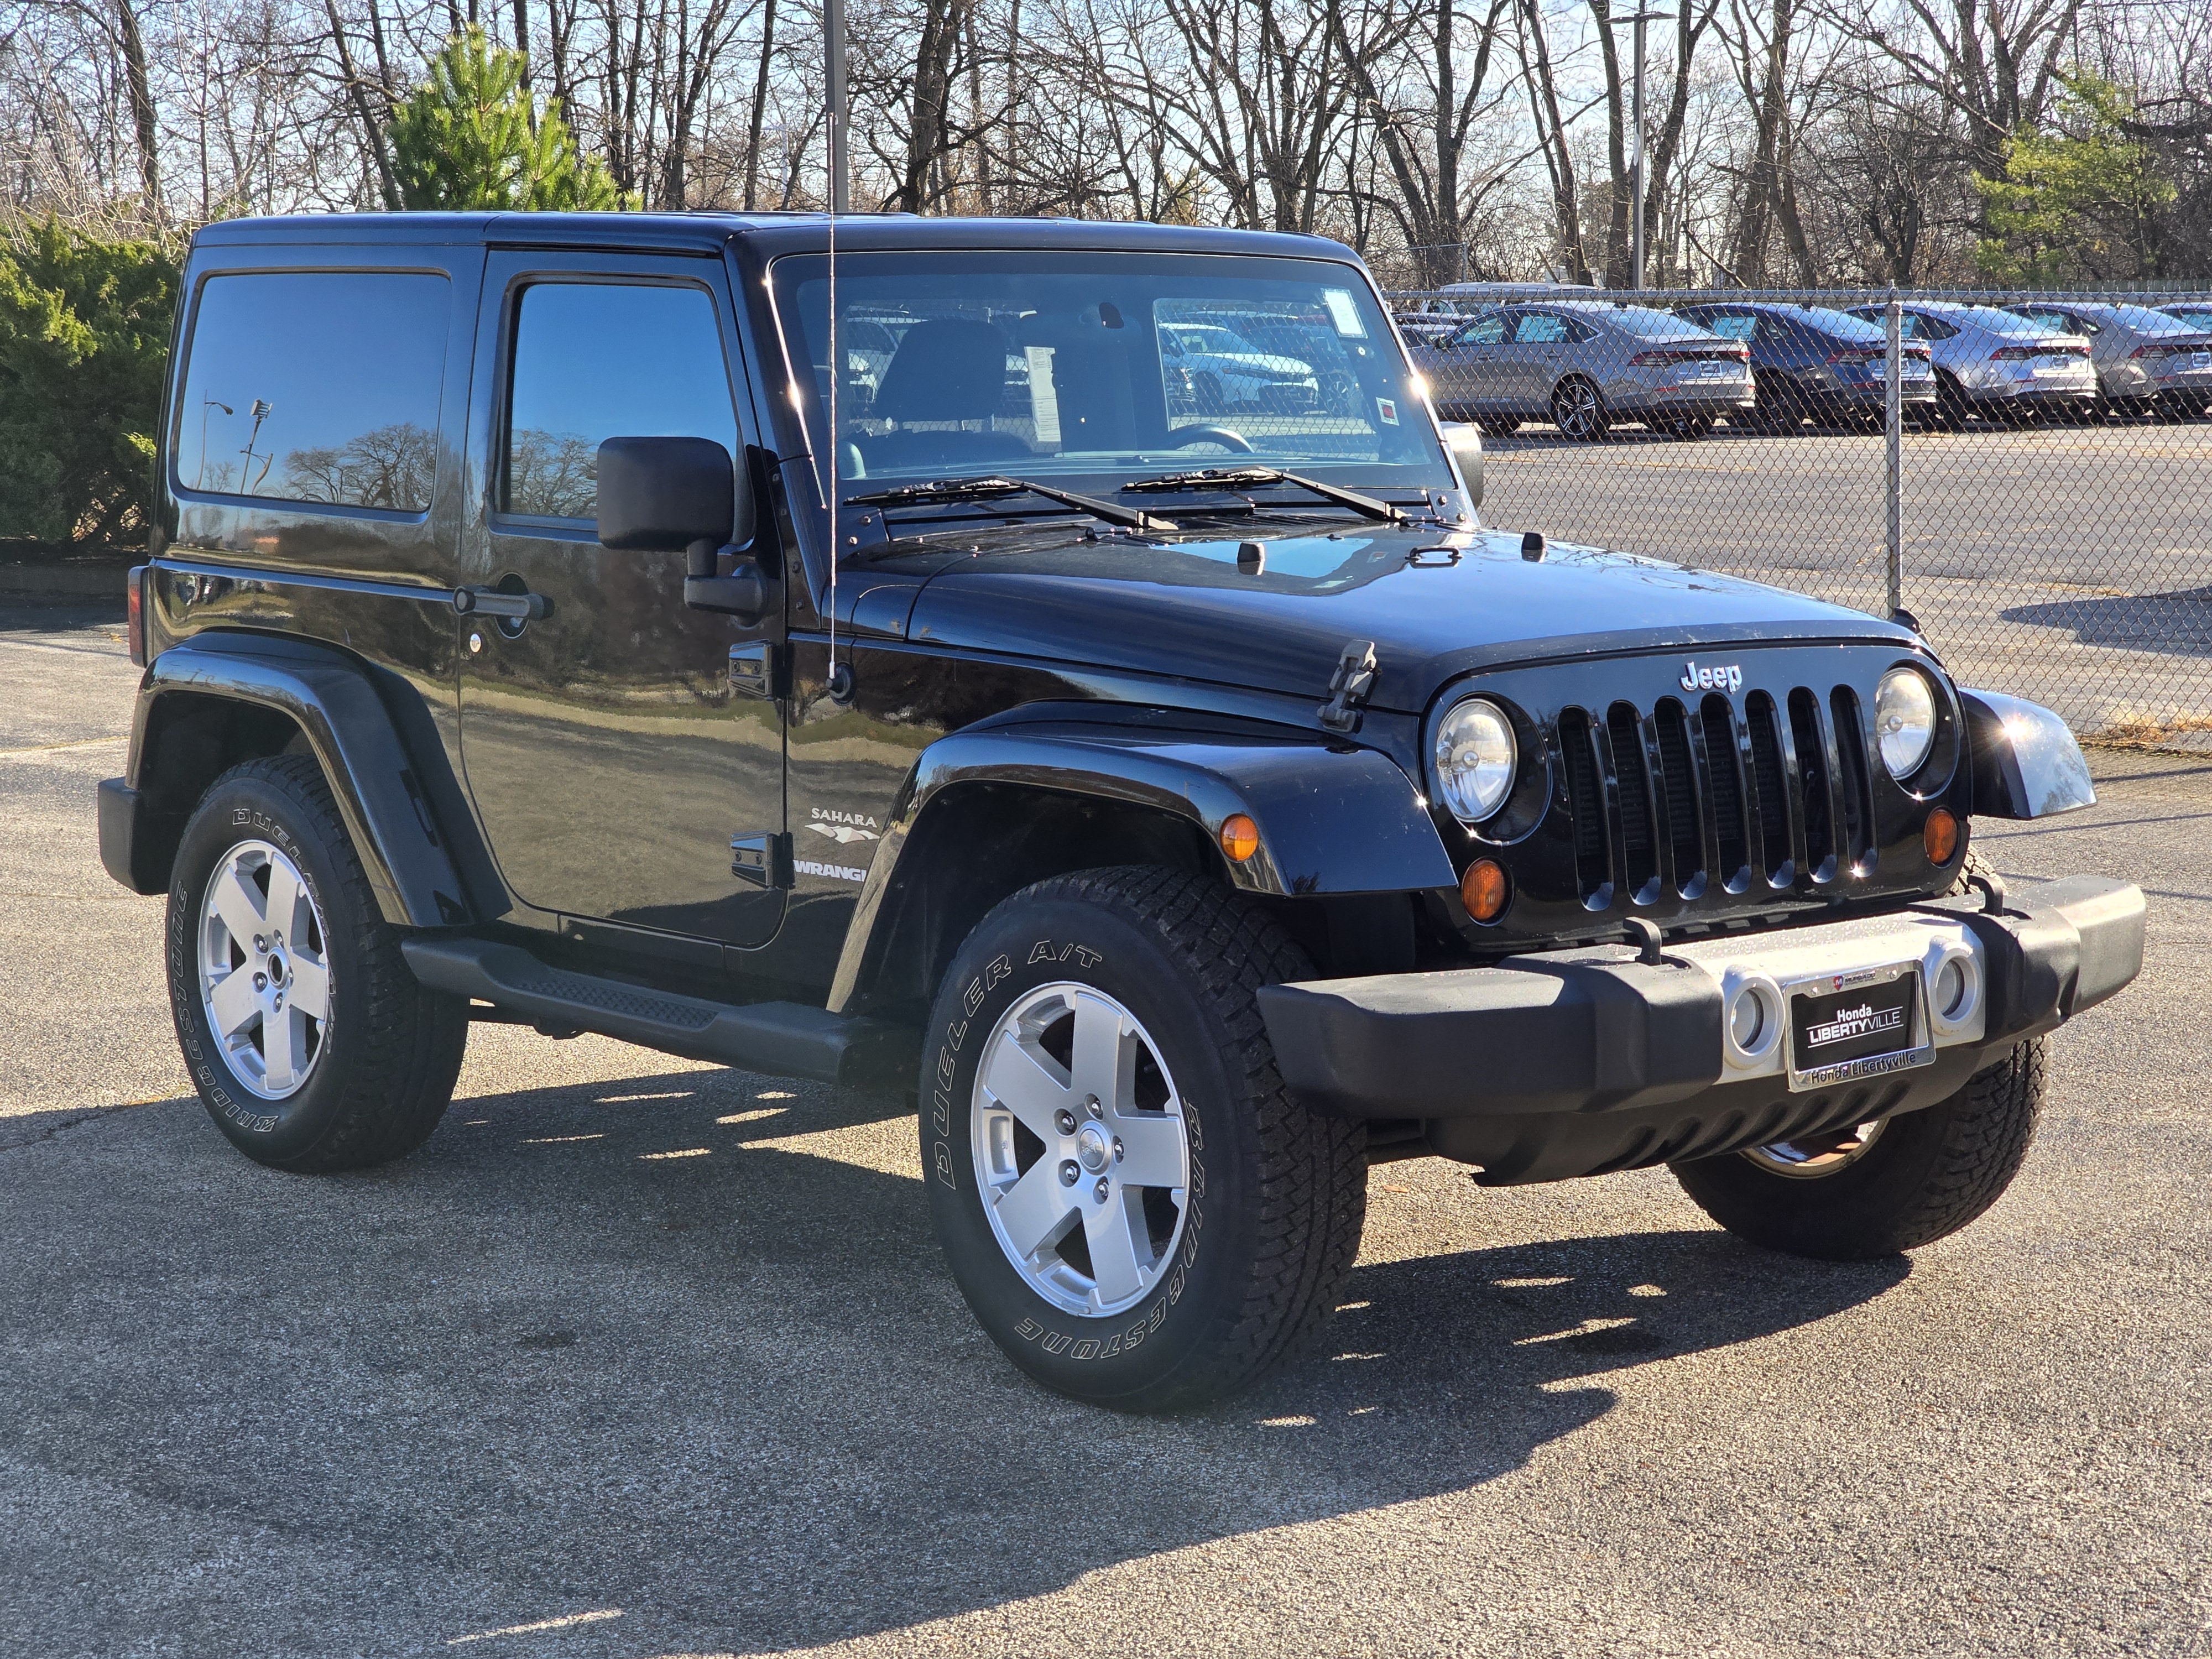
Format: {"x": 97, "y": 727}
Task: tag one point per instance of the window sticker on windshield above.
{"x": 1388, "y": 409}
{"x": 1344, "y": 314}
{"x": 1044, "y": 397}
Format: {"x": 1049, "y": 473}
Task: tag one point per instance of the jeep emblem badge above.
{"x": 1728, "y": 676}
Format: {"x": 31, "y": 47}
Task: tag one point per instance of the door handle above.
{"x": 491, "y": 601}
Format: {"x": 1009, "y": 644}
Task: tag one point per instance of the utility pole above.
{"x": 1636, "y": 167}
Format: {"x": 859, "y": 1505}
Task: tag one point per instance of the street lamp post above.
{"x": 1636, "y": 167}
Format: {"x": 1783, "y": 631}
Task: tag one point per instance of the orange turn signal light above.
{"x": 1939, "y": 835}
{"x": 1483, "y": 890}
{"x": 1240, "y": 837}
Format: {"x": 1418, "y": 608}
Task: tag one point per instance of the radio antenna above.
{"x": 833, "y": 24}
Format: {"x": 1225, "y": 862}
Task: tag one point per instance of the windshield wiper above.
{"x": 1247, "y": 477}
{"x": 963, "y": 490}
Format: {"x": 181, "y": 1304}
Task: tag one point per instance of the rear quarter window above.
{"x": 317, "y": 387}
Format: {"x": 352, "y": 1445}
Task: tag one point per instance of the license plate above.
{"x": 2200, "y": 359}
{"x": 2054, "y": 365}
{"x": 1843, "y": 1026}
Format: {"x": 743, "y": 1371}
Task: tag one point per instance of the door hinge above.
{"x": 756, "y": 669}
{"x": 762, "y": 861}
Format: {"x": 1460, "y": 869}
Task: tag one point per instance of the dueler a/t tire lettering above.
{"x": 392, "y": 1049}
{"x": 1277, "y": 1194}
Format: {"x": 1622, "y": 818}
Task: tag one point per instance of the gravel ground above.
{"x": 638, "y": 1357}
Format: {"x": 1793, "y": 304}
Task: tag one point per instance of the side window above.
{"x": 1733, "y": 326}
{"x": 1536, "y": 328}
{"x": 314, "y": 387}
{"x": 596, "y": 361}
{"x": 1489, "y": 332}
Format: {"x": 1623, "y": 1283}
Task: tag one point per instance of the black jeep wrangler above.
{"x": 1055, "y": 670}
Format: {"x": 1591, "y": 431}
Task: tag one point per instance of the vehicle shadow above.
{"x": 670, "y": 1345}
{"x": 2178, "y": 624}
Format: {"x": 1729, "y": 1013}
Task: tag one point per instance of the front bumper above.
{"x": 1579, "y": 1062}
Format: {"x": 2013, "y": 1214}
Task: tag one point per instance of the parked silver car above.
{"x": 2147, "y": 362}
{"x": 1997, "y": 364}
{"x": 1584, "y": 364}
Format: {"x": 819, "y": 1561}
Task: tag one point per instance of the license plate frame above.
{"x": 1888, "y": 1001}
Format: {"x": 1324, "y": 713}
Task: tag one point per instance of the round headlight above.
{"x": 1475, "y": 756}
{"x": 1904, "y": 720}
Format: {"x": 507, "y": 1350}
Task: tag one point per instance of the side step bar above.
{"x": 785, "y": 1039}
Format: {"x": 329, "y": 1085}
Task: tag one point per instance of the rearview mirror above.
{"x": 657, "y": 494}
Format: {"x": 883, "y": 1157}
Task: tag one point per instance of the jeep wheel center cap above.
{"x": 1092, "y": 1147}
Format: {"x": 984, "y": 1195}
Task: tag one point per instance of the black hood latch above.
{"x": 1349, "y": 686}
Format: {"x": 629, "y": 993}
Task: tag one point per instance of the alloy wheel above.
{"x": 264, "y": 975}
{"x": 1577, "y": 411}
{"x": 1811, "y": 1156}
{"x": 1081, "y": 1157}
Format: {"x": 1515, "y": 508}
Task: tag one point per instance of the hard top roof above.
{"x": 771, "y": 233}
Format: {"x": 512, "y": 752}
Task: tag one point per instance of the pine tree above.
{"x": 465, "y": 140}
{"x": 2082, "y": 204}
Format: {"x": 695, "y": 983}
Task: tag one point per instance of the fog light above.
{"x": 1950, "y": 993}
{"x": 1939, "y": 835}
{"x": 1483, "y": 888}
{"x": 1240, "y": 837}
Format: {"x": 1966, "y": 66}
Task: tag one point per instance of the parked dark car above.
{"x": 1179, "y": 811}
{"x": 1811, "y": 363}
{"x": 1585, "y": 364}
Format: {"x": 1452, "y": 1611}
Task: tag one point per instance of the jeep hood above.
{"x": 1436, "y": 605}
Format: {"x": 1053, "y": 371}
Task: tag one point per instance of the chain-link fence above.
{"x": 2029, "y": 476}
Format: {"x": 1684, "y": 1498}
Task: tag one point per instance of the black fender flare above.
{"x": 396, "y": 794}
{"x": 1333, "y": 818}
{"x": 2026, "y": 761}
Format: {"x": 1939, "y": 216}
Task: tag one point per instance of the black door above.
{"x": 613, "y": 756}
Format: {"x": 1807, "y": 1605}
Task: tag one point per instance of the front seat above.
{"x": 945, "y": 371}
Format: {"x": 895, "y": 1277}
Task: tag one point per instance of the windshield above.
{"x": 1094, "y": 369}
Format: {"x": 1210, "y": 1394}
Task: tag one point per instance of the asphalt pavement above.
{"x": 2066, "y": 564}
{"x": 639, "y": 1358}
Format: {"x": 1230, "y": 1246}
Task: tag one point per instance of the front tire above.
{"x": 1884, "y": 1187}
{"x": 312, "y": 1044}
{"x": 1134, "y": 1208}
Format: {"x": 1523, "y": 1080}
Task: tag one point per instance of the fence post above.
{"x": 1894, "y": 431}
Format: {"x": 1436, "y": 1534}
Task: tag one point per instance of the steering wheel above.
{"x": 1227, "y": 436}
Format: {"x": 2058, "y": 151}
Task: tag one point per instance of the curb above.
{"x": 63, "y": 581}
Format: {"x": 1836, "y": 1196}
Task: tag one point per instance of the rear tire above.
{"x": 1917, "y": 1178}
{"x": 268, "y": 901}
{"x": 1578, "y": 409}
{"x": 1222, "y": 1227}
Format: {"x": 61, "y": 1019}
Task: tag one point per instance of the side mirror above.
{"x": 657, "y": 495}
{"x": 1464, "y": 439}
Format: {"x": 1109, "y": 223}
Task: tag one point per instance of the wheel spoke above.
{"x": 1022, "y": 1079}
{"x": 1110, "y": 1229}
{"x": 310, "y": 992}
{"x": 281, "y": 1041}
{"x": 1104, "y": 1056}
{"x": 1036, "y": 1210}
{"x": 239, "y": 906}
{"x": 287, "y": 901}
{"x": 231, "y": 1003}
{"x": 1151, "y": 1150}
